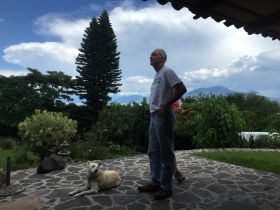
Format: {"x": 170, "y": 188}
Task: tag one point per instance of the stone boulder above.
{"x": 50, "y": 164}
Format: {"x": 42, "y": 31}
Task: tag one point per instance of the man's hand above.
{"x": 180, "y": 111}
{"x": 179, "y": 90}
{"x": 161, "y": 112}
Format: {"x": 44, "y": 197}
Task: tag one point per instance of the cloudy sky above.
{"x": 46, "y": 35}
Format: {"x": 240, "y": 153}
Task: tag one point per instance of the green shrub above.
{"x": 125, "y": 125}
{"x": 79, "y": 150}
{"x": 217, "y": 123}
{"x": 45, "y": 131}
{"x": 99, "y": 152}
{"x": 119, "y": 151}
{"x": 271, "y": 141}
{"x": 184, "y": 132}
{"x": 7, "y": 143}
{"x": 255, "y": 108}
{"x": 89, "y": 151}
{"x": 273, "y": 122}
{"x": 20, "y": 158}
{"x": 251, "y": 120}
{"x": 114, "y": 124}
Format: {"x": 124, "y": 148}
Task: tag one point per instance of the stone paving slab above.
{"x": 208, "y": 185}
{"x": 22, "y": 204}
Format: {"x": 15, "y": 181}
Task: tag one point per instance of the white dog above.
{"x": 97, "y": 180}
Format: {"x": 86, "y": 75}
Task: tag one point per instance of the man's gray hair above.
{"x": 162, "y": 53}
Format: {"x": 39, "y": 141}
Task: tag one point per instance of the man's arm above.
{"x": 179, "y": 90}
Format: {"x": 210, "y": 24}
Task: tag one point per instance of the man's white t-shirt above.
{"x": 164, "y": 81}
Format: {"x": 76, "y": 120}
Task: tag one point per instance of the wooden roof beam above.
{"x": 204, "y": 7}
{"x": 264, "y": 21}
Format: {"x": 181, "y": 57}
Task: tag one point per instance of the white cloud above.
{"x": 270, "y": 60}
{"x": 202, "y": 52}
{"x": 140, "y": 80}
{"x": 151, "y": 17}
{"x": 244, "y": 63}
{"x": 248, "y": 73}
{"x": 186, "y": 41}
{"x": 7, "y": 72}
{"x": 48, "y": 56}
{"x": 136, "y": 85}
{"x": 69, "y": 31}
{"x": 205, "y": 74}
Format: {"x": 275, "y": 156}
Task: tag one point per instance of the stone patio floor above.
{"x": 209, "y": 185}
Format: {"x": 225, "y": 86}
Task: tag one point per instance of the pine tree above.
{"x": 98, "y": 64}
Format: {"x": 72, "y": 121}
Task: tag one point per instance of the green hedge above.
{"x": 44, "y": 131}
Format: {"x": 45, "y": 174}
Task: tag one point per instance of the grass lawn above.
{"x": 261, "y": 160}
{"x": 19, "y": 158}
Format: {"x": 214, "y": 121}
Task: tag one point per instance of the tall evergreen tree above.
{"x": 98, "y": 64}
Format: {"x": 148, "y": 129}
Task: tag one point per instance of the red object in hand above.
{"x": 176, "y": 105}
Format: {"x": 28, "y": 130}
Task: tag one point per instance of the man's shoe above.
{"x": 148, "y": 188}
{"x": 162, "y": 194}
{"x": 179, "y": 177}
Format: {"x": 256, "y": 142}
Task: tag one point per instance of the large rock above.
{"x": 50, "y": 163}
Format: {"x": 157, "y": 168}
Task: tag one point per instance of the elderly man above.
{"x": 165, "y": 90}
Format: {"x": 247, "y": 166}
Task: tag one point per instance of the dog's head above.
{"x": 93, "y": 167}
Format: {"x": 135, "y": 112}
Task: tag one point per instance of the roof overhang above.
{"x": 255, "y": 16}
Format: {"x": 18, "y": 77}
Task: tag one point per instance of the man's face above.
{"x": 155, "y": 58}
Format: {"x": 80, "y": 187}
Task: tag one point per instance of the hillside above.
{"x": 215, "y": 90}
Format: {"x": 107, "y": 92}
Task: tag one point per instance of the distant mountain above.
{"x": 215, "y": 90}
{"x": 126, "y": 99}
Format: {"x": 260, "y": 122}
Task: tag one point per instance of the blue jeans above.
{"x": 160, "y": 149}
